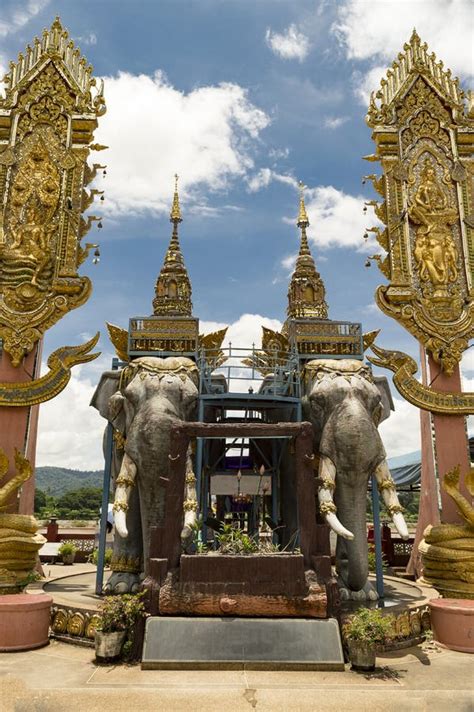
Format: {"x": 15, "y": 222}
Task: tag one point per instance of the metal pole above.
{"x": 377, "y": 538}
{"x": 105, "y": 506}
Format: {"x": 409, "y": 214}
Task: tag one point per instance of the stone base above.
{"x": 24, "y": 621}
{"x": 452, "y": 622}
{"x": 238, "y": 643}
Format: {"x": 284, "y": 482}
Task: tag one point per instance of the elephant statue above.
{"x": 142, "y": 402}
{"x": 346, "y": 403}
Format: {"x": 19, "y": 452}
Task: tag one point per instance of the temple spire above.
{"x": 173, "y": 287}
{"x": 306, "y": 291}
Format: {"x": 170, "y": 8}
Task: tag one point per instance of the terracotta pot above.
{"x": 361, "y": 655}
{"x": 452, "y": 621}
{"x": 68, "y": 559}
{"x": 108, "y": 646}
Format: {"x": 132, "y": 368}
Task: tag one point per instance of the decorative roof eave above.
{"x": 414, "y": 61}
{"x": 54, "y": 44}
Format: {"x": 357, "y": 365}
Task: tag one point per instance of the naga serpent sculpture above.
{"x": 448, "y": 549}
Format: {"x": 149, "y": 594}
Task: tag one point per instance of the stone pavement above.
{"x": 64, "y": 678}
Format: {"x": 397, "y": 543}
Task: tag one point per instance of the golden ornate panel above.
{"x": 424, "y": 138}
{"x": 47, "y": 119}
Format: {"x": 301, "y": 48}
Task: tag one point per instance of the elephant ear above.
{"x": 385, "y": 393}
{"x": 106, "y": 399}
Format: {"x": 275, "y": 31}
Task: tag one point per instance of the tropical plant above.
{"x": 67, "y": 548}
{"x": 368, "y": 626}
{"x": 372, "y": 559}
{"x": 120, "y": 613}
{"x": 93, "y": 557}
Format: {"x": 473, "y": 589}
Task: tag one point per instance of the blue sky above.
{"x": 241, "y": 98}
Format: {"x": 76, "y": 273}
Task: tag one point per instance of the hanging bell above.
{"x": 364, "y": 210}
{"x": 99, "y": 225}
{"x": 96, "y": 258}
{"x": 366, "y": 235}
{"x": 104, "y": 172}
{"x": 367, "y": 263}
{"x": 102, "y": 197}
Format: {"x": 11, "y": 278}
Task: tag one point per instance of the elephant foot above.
{"x": 122, "y": 582}
{"x": 367, "y": 593}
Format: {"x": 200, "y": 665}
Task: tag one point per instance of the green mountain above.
{"x": 56, "y": 481}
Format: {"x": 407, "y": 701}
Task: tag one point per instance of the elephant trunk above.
{"x": 327, "y": 475}
{"x": 386, "y": 487}
{"x": 124, "y": 484}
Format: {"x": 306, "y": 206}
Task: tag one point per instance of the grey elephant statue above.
{"x": 346, "y": 403}
{"x": 143, "y": 401}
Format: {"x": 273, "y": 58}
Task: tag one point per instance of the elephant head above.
{"x": 345, "y": 405}
{"x": 154, "y": 394}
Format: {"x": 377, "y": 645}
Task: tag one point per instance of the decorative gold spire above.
{"x": 173, "y": 288}
{"x": 306, "y": 291}
{"x": 175, "y": 214}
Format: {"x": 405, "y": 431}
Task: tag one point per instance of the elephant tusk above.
{"x": 120, "y": 521}
{"x": 337, "y": 527}
{"x": 327, "y": 475}
{"x": 400, "y": 525}
{"x": 387, "y": 489}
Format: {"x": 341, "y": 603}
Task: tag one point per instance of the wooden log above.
{"x": 170, "y": 545}
{"x": 175, "y": 601}
{"x": 306, "y": 492}
{"x": 249, "y": 430}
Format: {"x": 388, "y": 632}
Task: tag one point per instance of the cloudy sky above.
{"x": 242, "y": 98}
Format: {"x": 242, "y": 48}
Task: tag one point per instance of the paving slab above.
{"x": 64, "y": 678}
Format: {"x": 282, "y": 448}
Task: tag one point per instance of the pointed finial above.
{"x": 175, "y": 215}
{"x": 414, "y": 36}
{"x": 302, "y": 217}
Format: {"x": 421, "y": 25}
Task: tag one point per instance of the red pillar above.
{"x": 428, "y": 512}
{"x": 451, "y": 441}
{"x": 19, "y": 425}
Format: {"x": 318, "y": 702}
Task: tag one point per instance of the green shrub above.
{"x": 119, "y": 613}
{"x": 93, "y": 557}
{"x": 67, "y": 548}
{"x": 368, "y": 626}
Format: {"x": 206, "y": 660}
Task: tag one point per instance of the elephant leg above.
{"x": 127, "y": 553}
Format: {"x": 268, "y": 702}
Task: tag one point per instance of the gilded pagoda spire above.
{"x": 173, "y": 287}
{"x": 306, "y": 291}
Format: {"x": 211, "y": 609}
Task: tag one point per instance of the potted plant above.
{"x": 363, "y": 632}
{"x": 118, "y": 617}
{"x": 67, "y": 552}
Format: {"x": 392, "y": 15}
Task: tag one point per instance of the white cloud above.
{"x": 365, "y": 84}
{"x": 89, "y": 39}
{"x": 70, "y": 431}
{"x": 154, "y": 130}
{"x": 333, "y": 122}
{"x": 290, "y": 44}
{"x": 265, "y": 176}
{"x": 401, "y": 432}
{"x": 377, "y": 31}
{"x": 13, "y": 20}
{"x": 289, "y": 262}
{"x": 337, "y": 220}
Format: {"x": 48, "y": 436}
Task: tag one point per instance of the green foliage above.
{"x": 232, "y": 540}
{"x": 371, "y": 558}
{"x": 86, "y": 498}
{"x": 40, "y": 500}
{"x": 67, "y": 548}
{"x": 56, "y": 481}
{"x": 368, "y": 625}
{"x": 119, "y": 613}
{"x": 93, "y": 557}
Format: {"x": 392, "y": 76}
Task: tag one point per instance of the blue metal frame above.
{"x": 377, "y": 538}
{"x": 109, "y": 442}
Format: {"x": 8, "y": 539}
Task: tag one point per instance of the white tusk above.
{"x": 120, "y": 521}
{"x": 389, "y": 495}
{"x": 337, "y": 527}
{"x": 327, "y": 473}
{"x": 401, "y": 525}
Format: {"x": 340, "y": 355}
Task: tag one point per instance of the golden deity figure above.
{"x": 435, "y": 251}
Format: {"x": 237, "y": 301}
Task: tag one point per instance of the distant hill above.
{"x": 56, "y": 481}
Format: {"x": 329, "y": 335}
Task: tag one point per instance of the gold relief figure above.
{"x": 32, "y": 242}
{"x": 434, "y": 249}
